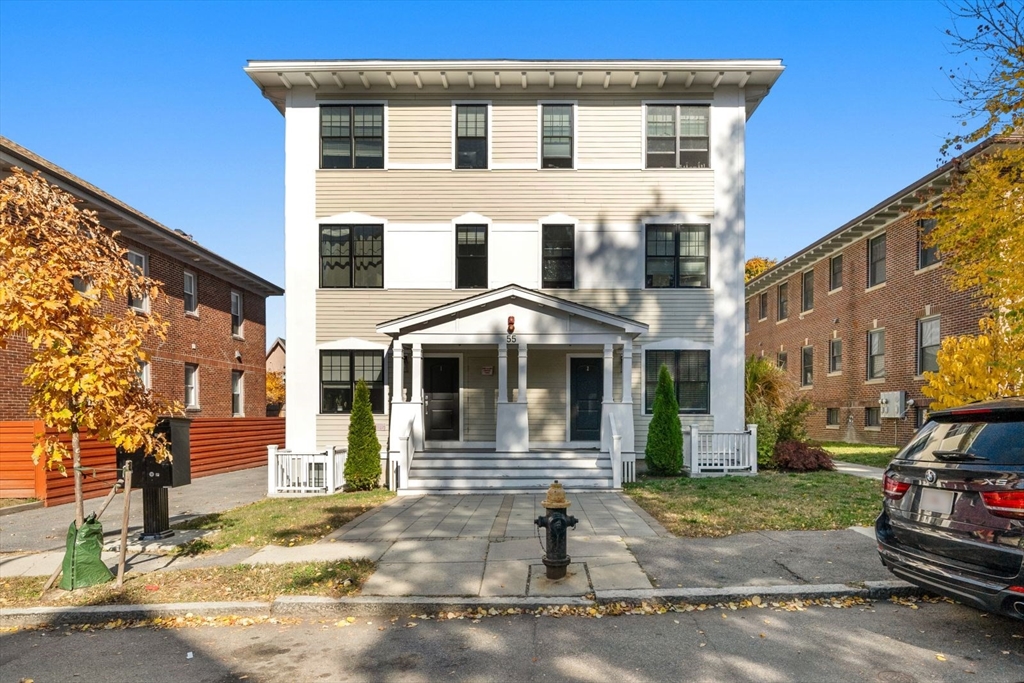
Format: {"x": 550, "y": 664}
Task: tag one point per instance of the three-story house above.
{"x": 507, "y": 252}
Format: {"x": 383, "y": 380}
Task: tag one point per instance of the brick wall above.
{"x": 204, "y": 340}
{"x": 848, "y": 314}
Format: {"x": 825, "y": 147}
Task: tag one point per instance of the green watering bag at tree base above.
{"x": 83, "y": 565}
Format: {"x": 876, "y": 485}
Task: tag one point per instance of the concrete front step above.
{"x": 427, "y": 462}
{"x": 464, "y": 483}
{"x": 512, "y": 455}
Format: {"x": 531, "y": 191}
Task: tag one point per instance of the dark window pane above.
{"x": 762, "y": 306}
{"x": 691, "y": 374}
{"x": 660, "y": 272}
{"x": 369, "y": 153}
{"x": 471, "y": 256}
{"x": 926, "y": 255}
{"x": 471, "y": 153}
{"x": 807, "y": 300}
{"x": 556, "y": 143}
{"x": 836, "y": 272}
{"x": 876, "y": 264}
{"x": 558, "y": 262}
{"x": 337, "y": 153}
{"x": 807, "y": 366}
{"x": 783, "y": 301}
{"x": 471, "y": 136}
{"x": 928, "y": 345}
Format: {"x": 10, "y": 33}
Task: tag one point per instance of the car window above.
{"x": 1000, "y": 443}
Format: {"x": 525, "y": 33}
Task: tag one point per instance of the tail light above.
{"x": 1005, "y": 503}
{"x": 893, "y": 490}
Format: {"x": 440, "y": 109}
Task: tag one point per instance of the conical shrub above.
{"x": 362, "y": 467}
{"x": 664, "y": 450}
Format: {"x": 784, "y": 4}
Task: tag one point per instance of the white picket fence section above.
{"x": 721, "y": 452}
{"x": 310, "y": 473}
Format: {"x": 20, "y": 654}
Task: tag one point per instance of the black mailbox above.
{"x": 176, "y": 471}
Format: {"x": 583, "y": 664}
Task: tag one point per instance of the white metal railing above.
{"x": 321, "y": 472}
{"x": 722, "y": 451}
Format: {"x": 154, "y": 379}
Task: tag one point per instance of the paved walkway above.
{"x": 865, "y": 471}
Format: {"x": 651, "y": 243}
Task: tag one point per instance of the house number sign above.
{"x": 510, "y": 338}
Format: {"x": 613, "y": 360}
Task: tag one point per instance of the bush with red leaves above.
{"x": 796, "y": 456}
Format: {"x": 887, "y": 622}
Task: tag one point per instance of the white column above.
{"x": 417, "y": 372}
{"x": 502, "y": 372}
{"x": 522, "y": 374}
{"x": 398, "y": 371}
{"x": 609, "y": 359}
{"x": 627, "y": 372}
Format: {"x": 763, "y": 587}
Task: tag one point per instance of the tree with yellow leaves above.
{"x": 756, "y": 265}
{"x": 977, "y": 367}
{"x": 275, "y": 388}
{"x": 64, "y": 285}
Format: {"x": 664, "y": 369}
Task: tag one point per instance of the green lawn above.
{"x": 282, "y": 521}
{"x": 860, "y": 453}
{"x": 721, "y": 506}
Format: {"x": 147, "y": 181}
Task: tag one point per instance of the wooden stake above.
{"x": 124, "y": 521}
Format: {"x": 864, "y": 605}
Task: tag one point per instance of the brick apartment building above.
{"x": 859, "y": 314}
{"x": 212, "y": 362}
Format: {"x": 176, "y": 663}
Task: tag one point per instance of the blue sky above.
{"x": 149, "y": 101}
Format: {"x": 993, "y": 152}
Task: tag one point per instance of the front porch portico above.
{"x": 462, "y": 381}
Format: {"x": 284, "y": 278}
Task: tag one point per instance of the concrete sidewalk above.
{"x": 858, "y": 470}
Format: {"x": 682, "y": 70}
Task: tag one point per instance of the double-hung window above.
{"x": 471, "y": 256}
{"x": 807, "y": 366}
{"x": 807, "y": 291}
{"x": 832, "y": 417}
{"x": 876, "y": 260}
{"x": 746, "y": 317}
{"x": 691, "y": 375}
{"x": 926, "y": 255}
{"x": 558, "y": 257}
{"x": 237, "y": 315}
{"x": 190, "y": 297}
{"x": 677, "y": 136}
{"x": 556, "y": 136}
{"x": 471, "y": 136}
{"x": 143, "y": 373}
{"x": 191, "y": 386}
{"x": 928, "y": 345}
{"x": 872, "y": 417}
{"x": 835, "y": 355}
{"x": 237, "y": 400}
{"x": 783, "y": 301}
{"x": 835, "y": 275}
{"x": 876, "y": 354}
{"x": 762, "y": 306}
{"x": 141, "y": 264}
{"x": 677, "y": 256}
{"x": 352, "y": 136}
{"x": 782, "y": 360}
{"x": 352, "y": 256}
{"x": 339, "y": 373}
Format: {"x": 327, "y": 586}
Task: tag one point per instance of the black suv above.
{"x": 953, "y": 517}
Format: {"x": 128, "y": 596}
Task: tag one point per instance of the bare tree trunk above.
{"x": 76, "y": 460}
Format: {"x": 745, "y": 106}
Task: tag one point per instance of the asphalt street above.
{"x": 879, "y": 642}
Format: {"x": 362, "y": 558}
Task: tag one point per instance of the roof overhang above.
{"x": 510, "y": 294}
{"x": 133, "y": 224}
{"x": 671, "y": 77}
{"x": 919, "y": 195}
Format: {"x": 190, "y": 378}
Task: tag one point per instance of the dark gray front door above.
{"x": 586, "y": 390}
{"x": 441, "y": 391}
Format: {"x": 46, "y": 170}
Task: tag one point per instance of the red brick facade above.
{"x": 908, "y": 295}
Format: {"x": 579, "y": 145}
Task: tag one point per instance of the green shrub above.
{"x": 362, "y": 466}
{"x": 767, "y": 433}
{"x": 791, "y": 421}
{"x": 664, "y": 451}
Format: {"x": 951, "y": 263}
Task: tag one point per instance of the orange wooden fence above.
{"x": 216, "y": 445}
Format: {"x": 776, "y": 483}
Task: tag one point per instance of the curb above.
{"x": 403, "y": 606}
{"x": 12, "y": 509}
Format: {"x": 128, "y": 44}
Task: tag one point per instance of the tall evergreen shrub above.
{"x": 362, "y": 467}
{"x": 664, "y": 451}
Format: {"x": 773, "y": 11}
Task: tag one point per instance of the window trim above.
{"x": 832, "y": 286}
{"x": 490, "y": 133}
{"x": 351, "y": 253}
{"x": 486, "y": 225}
{"x": 803, "y": 366}
{"x": 832, "y": 367}
{"x": 240, "y": 334}
{"x": 778, "y": 302}
{"x": 574, "y": 104}
{"x": 919, "y": 348}
{"x": 385, "y": 379}
{"x": 829, "y": 411}
{"x": 762, "y": 306}
{"x": 350, "y": 103}
{"x": 195, "y": 386}
{"x": 871, "y": 264}
{"x": 804, "y": 308}
{"x": 194, "y": 311}
{"x": 872, "y": 410}
{"x": 677, "y": 229}
{"x": 676, "y": 351}
{"x": 144, "y": 308}
{"x": 677, "y": 103}
{"x": 572, "y": 227}
{"x": 241, "y": 393}
{"x": 145, "y": 373}
{"x": 867, "y": 365}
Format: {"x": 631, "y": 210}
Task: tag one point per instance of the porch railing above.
{"x": 722, "y": 452}
{"x": 310, "y": 473}
{"x": 400, "y": 474}
{"x": 623, "y": 465}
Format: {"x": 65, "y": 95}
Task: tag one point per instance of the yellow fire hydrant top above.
{"x": 556, "y": 497}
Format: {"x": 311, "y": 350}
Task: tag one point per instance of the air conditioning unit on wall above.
{"x": 893, "y": 404}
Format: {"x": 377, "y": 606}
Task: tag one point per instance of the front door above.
{"x": 586, "y": 391}
{"x": 441, "y": 398}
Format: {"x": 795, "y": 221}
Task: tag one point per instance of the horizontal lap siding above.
{"x": 17, "y": 472}
{"x": 593, "y": 196}
{"x": 610, "y": 133}
{"x": 226, "y": 445}
{"x": 332, "y": 430}
{"x": 514, "y": 133}
{"x": 420, "y": 132}
{"x": 545, "y": 394}
{"x": 480, "y": 396}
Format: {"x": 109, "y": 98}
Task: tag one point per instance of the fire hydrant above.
{"x": 557, "y": 522}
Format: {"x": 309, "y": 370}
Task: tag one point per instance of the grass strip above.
{"x": 861, "y": 453}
